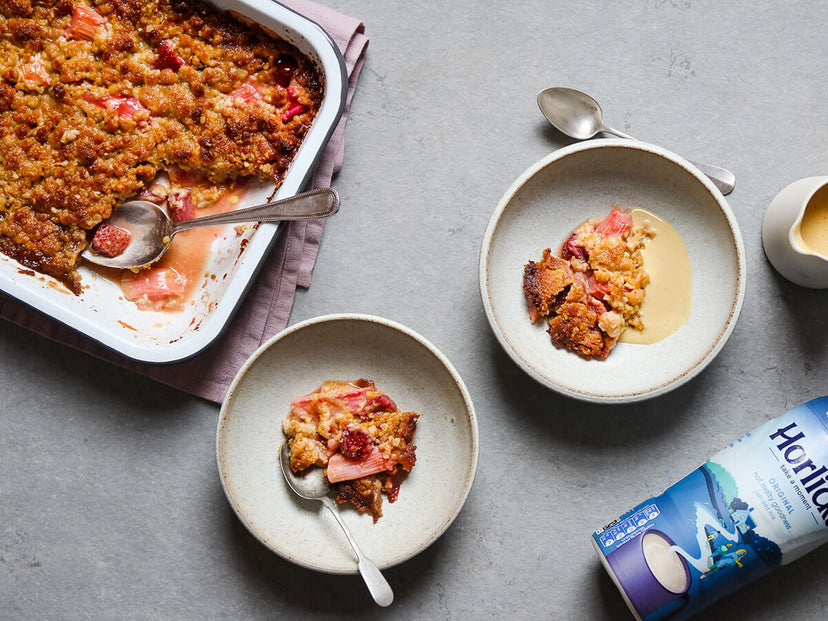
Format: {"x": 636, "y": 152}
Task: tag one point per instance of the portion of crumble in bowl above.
{"x": 594, "y": 290}
{"x": 356, "y": 433}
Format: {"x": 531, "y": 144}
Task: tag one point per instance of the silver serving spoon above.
{"x": 312, "y": 485}
{"x": 578, "y": 115}
{"x": 151, "y": 230}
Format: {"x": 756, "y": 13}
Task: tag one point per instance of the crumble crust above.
{"x": 98, "y": 96}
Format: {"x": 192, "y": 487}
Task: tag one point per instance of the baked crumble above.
{"x": 97, "y": 97}
{"x": 356, "y": 433}
{"x": 594, "y": 290}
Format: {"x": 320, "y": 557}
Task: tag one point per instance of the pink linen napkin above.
{"x": 266, "y": 309}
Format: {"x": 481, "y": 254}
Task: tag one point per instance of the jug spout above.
{"x": 795, "y": 232}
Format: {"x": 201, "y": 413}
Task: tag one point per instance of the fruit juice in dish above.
{"x": 760, "y": 503}
{"x": 168, "y": 283}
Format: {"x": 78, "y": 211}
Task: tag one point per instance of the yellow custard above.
{"x": 813, "y": 229}
{"x": 666, "y": 305}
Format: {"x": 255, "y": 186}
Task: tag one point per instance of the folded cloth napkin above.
{"x": 266, "y": 308}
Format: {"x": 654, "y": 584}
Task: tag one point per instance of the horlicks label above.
{"x": 759, "y": 503}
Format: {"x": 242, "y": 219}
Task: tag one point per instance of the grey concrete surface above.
{"x": 110, "y": 503}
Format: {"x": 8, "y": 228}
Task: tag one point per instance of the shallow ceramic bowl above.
{"x": 347, "y": 347}
{"x": 585, "y": 180}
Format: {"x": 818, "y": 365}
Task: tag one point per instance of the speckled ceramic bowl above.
{"x": 585, "y": 180}
{"x": 347, "y": 347}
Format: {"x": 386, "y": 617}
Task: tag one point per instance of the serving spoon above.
{"x": 151, "y": 230}
{"x": 312, "y": 485}
{"x": 579, "y": 116}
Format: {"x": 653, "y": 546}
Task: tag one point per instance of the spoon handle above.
{"x": 374, "y": 580}
{"x": 319, "y": 203}
{"x": 721, "y": 177}
{"x": 615, "y": 132}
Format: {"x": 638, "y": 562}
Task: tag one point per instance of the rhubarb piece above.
{"x": 342, "y": 468}
{"x": 84, "y": 23}
{"x": 125, "y": 107}
{"x": 157, "y": 191}
{"x": 34, "y": 75}
{"x": 293, "y": 110}
{"x": 246, "y": 92}
{"x": 157, "y": 288}
{"x": 615, "y": 224}
{"x": 293, "y": 105}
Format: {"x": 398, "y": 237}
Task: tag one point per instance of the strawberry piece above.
{"x": 110, "y": 240}
{"x": 380, "y": 403}
{"x": 84, "y": 23}
{"x": 167, "y": 58}
{"x": 284, "y": 69}
{"x": 615, "y": 224}
{"x": 355, "y": 443}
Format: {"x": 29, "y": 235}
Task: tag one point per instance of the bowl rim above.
{"x": 474, "y": 438}
{"x": 604, "y": 144}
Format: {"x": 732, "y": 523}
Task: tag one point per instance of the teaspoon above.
{"x": 312, "y": 485}
{"x": 579, "y": 116}
{"x": 151, "y": 230}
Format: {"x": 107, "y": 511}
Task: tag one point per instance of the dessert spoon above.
{"x": 579, "y": 116}
{"x": 151, "y": 230}
{"x": 312, "y": 485}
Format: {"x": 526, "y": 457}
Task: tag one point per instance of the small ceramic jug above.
{"x": 795, "y": 232}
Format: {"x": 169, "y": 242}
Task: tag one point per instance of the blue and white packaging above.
{"x": 760, "y": 503}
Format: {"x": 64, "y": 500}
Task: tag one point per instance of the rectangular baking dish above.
{"x": 101, "y": 312}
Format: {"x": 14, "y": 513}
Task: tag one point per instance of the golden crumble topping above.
{"x": 98, "y": 96}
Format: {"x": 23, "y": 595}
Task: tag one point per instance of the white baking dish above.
{"x": 101, "y": 312}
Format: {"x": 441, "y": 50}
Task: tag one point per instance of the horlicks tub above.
{"x": 760, "y": 503}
